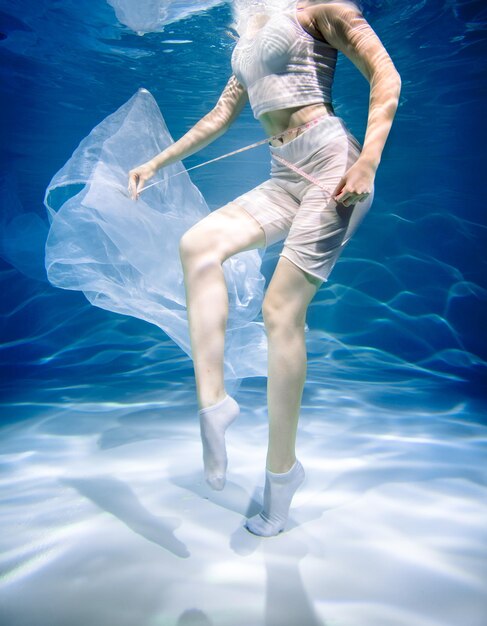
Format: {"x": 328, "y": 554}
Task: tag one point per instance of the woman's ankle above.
{"x": 207, "y": 400}
{"x": 281, "y": 467}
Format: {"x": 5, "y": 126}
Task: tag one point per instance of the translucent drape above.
{"x": 144, "y": 16}
{"x": 124, "y": 255}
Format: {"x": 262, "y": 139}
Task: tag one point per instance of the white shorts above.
{"x": 290, "y": 207}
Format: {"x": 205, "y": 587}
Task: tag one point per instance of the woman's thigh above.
{"x": 225, "y": 232}
{"x": 322, "y": 227}
{"x": 320, "y": 232}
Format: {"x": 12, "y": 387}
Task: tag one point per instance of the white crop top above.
{"x": 283, "y": 66}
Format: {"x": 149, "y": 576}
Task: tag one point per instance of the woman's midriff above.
{"x": 276, "y": 122}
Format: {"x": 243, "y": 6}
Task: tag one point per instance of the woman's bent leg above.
{"x": 203, "y": 249}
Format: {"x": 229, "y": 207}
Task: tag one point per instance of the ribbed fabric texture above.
{"x": 283, "y": 66}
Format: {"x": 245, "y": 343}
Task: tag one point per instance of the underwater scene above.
{"x": 106, "y": 517}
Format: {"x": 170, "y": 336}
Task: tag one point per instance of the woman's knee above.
{"x": 288, "y": 297}
{"x": 198, "y": 248}
{"x": 281, "y": 315}
{"x": 221, "y": 234}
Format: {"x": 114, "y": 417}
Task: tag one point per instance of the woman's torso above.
{"x": 283, "y": 118}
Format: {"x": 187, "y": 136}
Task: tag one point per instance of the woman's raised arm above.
{"x": 345, "y": 28}
{"x": 206, "y": 130}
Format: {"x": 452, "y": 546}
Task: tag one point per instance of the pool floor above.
{"x": 106, "y": 517}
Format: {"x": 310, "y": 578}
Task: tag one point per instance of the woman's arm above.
{"x": 209, "y": 128}
{"x": 344, "y": 27}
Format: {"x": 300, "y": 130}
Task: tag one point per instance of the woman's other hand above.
{"x": 138, "y": 176}
{"x": 356, "y": 184}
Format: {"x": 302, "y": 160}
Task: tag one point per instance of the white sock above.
{"x": 214, "y": 420}
{"x": 278, "y": 492}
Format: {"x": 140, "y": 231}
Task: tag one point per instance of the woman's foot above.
{"x": 214, "y": 420}
{"x": 278, "y": 492}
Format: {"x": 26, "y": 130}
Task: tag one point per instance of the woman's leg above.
{"x": 284, "y": 309}
{"x": 203, "y": 249}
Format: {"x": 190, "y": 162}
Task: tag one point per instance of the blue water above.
{"x": 103, "y": 496}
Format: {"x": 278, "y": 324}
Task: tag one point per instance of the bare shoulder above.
{"x": 328, "y": 5}
{"x": 334, "y": 15}
{"x": 343, "y": 25}
{"x": 329, "y": 8}
{"x": 315, "y": 15}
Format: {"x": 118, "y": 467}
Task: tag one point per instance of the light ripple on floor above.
{"x": 106, "y": 509}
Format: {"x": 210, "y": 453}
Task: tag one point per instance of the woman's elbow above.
{"x": 387, "y": 81}
{"x": 393, "y": 76}
{"x": 394, "y": 91}
{"x": 398, "y": 84}
{"x": 398, "y": 80}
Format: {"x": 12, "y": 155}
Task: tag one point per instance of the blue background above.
{"x": 402, "y": 319}
{"x": 105, "y": 516}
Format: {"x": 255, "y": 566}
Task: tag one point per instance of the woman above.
{"x": 321, "y": 186}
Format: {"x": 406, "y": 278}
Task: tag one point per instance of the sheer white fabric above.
{"x": 249, "y": 13}
{"x": 124, "y": 254}
{"x": 145, "y": 16}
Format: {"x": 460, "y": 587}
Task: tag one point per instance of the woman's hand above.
{"x": 356, "y": 184}
{"x": 138, "y": 176}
